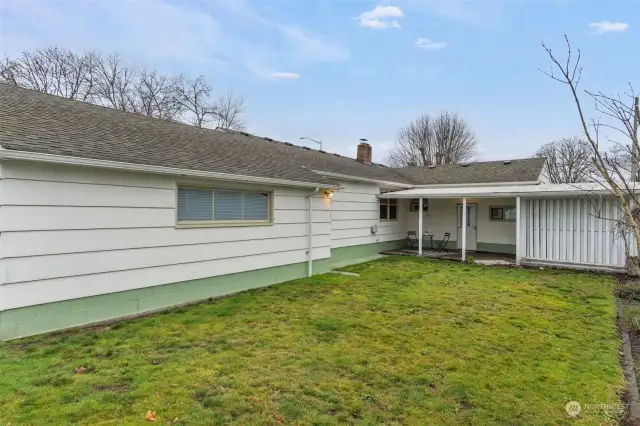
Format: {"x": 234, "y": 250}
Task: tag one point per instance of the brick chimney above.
{"x": 364, "y": 153}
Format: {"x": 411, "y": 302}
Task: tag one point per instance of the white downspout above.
{"x": 310, "y": 250}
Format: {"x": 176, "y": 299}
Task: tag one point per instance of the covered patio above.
{"x": 491, "y": 225}
{"x": 566, "y": 225}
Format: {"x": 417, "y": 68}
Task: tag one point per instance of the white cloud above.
{"x": 608, "y": 27}
{"x": 383, "y": 12}
{"x": 426, "y": 44}
{"x": 312, "y": 48}
{"x": 379, "y": 18}
{"x": 163, "y": 33}
{"x": 195, "y": 38}
{"x": 377, "y": 24}
{"x": 284, "y": 75}
{"x": 304, "y": 45}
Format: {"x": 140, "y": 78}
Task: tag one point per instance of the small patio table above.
{"x": 428, "y": 237}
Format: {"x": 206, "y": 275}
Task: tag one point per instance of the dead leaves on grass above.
{"x": 84, "y": 369}
{"x": 152, "y": 417}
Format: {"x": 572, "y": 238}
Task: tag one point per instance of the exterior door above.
{"x": 472, "y": 231}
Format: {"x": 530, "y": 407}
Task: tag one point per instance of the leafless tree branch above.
{"x": 107, "y": 81}
{"x": 569, "y": 160}
{"x": 611, "y": 166}
{"x": 444, "y": 139}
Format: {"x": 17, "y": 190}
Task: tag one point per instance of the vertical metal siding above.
{"x": 536, "y": 227}
{"x": 543, "y": 233}
{"x": 573, "y": 230}
{"x": 578, "y": 226}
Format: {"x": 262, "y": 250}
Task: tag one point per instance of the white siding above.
{"x": 71, "y": 232}
{"x": 495, "y": 231}
{"x": 573, "y": 230}
{"x": 440, "y": 218}
{"x": 544, "y": 174}
{"x": 354, "y": 210}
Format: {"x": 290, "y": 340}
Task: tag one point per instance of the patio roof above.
{"x": 500, "y": 191}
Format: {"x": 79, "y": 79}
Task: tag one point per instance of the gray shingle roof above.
{"x": 36, "y": 122}
{"x": 523, "y": 170}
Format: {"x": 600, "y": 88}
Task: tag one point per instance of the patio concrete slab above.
{"x": 491, "y": 259}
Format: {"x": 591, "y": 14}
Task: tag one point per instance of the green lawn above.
{"x": 409, "y": 341}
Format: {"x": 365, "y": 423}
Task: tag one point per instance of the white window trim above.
{"x": 425, "y": 205}
{"x": 388, "y": 203}
{"x": 223, "y": 223}
{"x": 503, "y": 208}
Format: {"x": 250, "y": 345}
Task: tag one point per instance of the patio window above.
{"x": 388, "y": 209}
{"x": 507, "y": 214}
{"x": 197, "y": 206}
{"x": 415, "y": 205}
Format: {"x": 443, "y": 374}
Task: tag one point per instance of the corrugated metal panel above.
{"x": 574, "y": 230}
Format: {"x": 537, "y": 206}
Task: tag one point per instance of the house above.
{"x": 105, "y": 214}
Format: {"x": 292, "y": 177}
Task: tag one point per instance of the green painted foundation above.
{"x": 57, "y": 316}
{"x": 496, "y": 248}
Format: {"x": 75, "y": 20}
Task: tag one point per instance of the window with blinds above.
{"x": 222, "y": 205}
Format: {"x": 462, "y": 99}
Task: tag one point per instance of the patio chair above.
{"x": 442, "y": 245}
{"x": 412, "y": 240}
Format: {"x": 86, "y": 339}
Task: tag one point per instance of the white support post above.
{"x": 518, "y": 232}
{"x": 464, "y": 229}
{"x": 420, "y": 227}
{"x": 310, "y": 241}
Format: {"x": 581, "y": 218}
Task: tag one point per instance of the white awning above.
{"x": 501, "y": 191}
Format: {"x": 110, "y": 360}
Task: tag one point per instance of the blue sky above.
{"x": 340, "y": 70}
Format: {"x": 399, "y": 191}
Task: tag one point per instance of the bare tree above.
{"x": 622, "y": 116}
{"x": 155, "y": 95}
{"x": 114, "y": 84}
{"x": 52, "y": 70}
{"x": 569, "y": 160}
{"x": 107, "y": 81}
{"x": 227, "y": 112}
{"x": 193, "y": 96}
{"x": 444, "y": 139}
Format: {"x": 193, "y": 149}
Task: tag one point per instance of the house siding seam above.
{"x": 56, "y": 316}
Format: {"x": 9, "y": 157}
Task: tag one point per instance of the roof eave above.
{"x": 494, "y": 195}
{"x": 384, "y": 183}
{"x": 467, "y": 185}
{"x": 8, "y": 154}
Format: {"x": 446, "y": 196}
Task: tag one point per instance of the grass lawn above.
{"x": 409, "y": 341}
